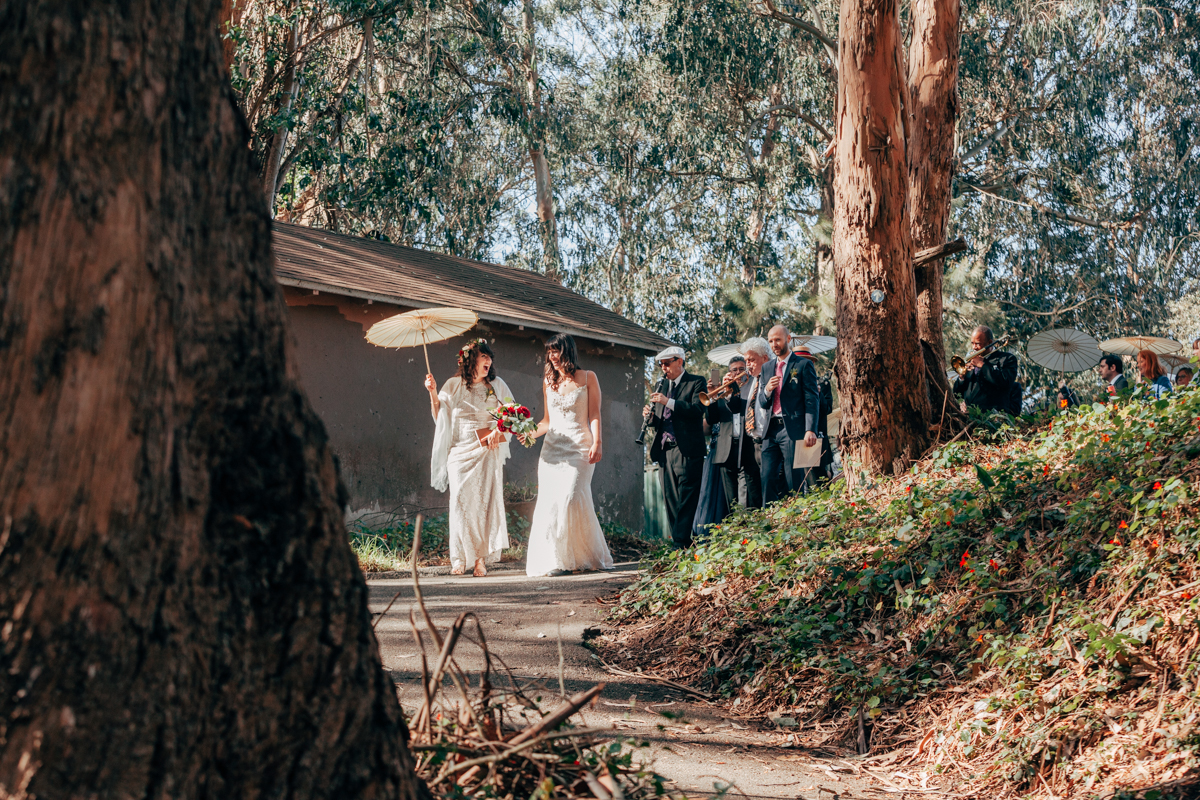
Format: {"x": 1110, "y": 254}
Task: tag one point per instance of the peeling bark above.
{"x": 933, "y": 91}
{"x": 183, "y": 616}
{"x": 879, "y": 364}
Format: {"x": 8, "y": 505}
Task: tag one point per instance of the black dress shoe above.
{"x": 557, "y": 573}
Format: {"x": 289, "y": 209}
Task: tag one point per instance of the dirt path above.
{"x": 699, "y": 747}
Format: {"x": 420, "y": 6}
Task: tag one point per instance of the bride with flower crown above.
{"x": 469, "y": 462}
{"x": 565, "y": 535}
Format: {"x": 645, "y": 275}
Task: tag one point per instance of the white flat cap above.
{"x": 669, "y": 353}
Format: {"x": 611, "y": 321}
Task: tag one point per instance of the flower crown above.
{"x": 465, "y": 352}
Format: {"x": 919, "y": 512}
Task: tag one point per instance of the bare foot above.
{"x": 457, "y": 571}
{"x": 480, "y": 569}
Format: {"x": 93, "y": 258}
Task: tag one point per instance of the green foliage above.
{"x": 1005, "y": 557}
{"x": 685, "y": 142}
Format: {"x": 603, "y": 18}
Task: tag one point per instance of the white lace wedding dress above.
{"x": 473, "y": 474}
{"x": 565, "y": 533}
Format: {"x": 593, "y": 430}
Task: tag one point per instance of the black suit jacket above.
{"x": 687, "y": 418}
{"x": 722, "y": 412}
{"x": 798, "y": 395}
{"x": 990, "y": 387}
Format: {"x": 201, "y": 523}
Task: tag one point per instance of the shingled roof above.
{"x": 310, "y": 258}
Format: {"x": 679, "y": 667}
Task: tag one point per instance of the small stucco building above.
{"x": 372, "y": 399}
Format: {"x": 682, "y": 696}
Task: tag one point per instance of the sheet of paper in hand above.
{"x": 808, "y": 457}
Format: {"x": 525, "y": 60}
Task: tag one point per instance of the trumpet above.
{"x": 725, "y": 390}
{"x": 960, "y": 364}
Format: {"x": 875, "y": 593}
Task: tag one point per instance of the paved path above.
{"x": 699, "y": 747}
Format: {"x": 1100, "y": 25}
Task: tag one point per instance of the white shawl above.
{"x": 450, "y": 397}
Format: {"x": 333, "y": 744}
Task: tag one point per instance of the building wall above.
{"x": 377, "y": 412}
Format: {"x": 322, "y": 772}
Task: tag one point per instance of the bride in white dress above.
{"x": 565, "y": 535}
{"x": 472, "y": 468}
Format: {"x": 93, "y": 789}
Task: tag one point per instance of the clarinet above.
{"x": 641, "y": 437}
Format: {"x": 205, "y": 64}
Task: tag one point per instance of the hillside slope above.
{"x": 1015, "y": 615}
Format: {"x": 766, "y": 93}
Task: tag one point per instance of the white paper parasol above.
{"x": 1132, "y": 345}
{"x": 1063, "y": 350}
{"x": 815, "y": 344}
{"x": 724, "y": 354}
{"x": 421, "y": 327}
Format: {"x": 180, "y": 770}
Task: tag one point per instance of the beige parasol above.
{"x": 1132, "y": 345}
{"x": 1174, "y": 362}
{"x": 421, "y": 327}
{"x": 1063, "y": 350}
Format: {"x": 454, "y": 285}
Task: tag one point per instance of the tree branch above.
{"x": 830, "y": 45}
{"x": 923, "y": 257}
{"x": 1058, "y": 310}
{"x": 1050, "y": 212}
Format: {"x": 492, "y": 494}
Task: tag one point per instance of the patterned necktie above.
{"x": 668, "y": 425}
{"x": 779, "y": 367}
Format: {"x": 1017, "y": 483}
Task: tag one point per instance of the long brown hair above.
{"x": 1148, "y": 358}
{"x": 468, "y": 356}
{"x": 564, "y": 345}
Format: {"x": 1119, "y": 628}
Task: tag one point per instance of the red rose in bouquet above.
{"x": 513, "y": 418}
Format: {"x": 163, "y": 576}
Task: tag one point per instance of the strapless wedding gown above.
{"x": 565, "y": 533}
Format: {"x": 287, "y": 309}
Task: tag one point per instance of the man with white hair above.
{"x": 677, "y": 417}
{"x": 757, "y": 353}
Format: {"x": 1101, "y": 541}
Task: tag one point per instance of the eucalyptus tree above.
{"x": 423, "y": 123}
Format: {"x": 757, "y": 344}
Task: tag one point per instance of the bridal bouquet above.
{"x": 513, "y": 418}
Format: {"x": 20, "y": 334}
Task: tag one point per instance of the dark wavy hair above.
{"x": 469, "y": 355}
{"x": 568, "y": 356}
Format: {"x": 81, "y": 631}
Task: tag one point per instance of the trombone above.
{"x": 960, "y": 364}
{"x": 725, "y": 390}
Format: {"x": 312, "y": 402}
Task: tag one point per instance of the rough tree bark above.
{"x": 933, "y": 94}
{"x": 182, "y": 615}
{"x": 879, "y": 366}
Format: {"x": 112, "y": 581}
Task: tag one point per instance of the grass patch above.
{"x": 1016, "y": 613}
{"x": 388, "y": 549}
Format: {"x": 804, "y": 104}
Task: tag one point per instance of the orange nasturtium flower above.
{"x": 1045, "y": 470}
{"x": 1062, "y": 403}
{"x": 1157, "y": 485}
{"x": 963, "y": 562}
{"x": 1123, "y": 525}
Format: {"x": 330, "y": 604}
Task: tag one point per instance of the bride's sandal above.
{"x": 457, "y": 571}
{"x": 480, "y": 569}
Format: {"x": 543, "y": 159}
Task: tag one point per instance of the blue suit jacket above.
{"x": 798, "y": 395}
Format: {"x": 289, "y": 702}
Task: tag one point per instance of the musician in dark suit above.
{"x": 734, "y": 448}
{"x": 790, "y": 397}
{"x": 991, "y": 376}
{"x": 677, "y": 418}
{"x": 1112, "y": 370}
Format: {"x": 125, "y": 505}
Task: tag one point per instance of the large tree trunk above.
{"x": 880, "y": 370}
{"x": 933, "y": 93}
{"x": 182, "y": 614}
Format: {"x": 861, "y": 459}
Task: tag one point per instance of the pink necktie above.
{"x": 779, "y": 367}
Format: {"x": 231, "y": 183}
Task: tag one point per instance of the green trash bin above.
{"x": 654, "y": 515}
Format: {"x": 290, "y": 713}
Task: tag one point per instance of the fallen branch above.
{"x": 666, "y": 682}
